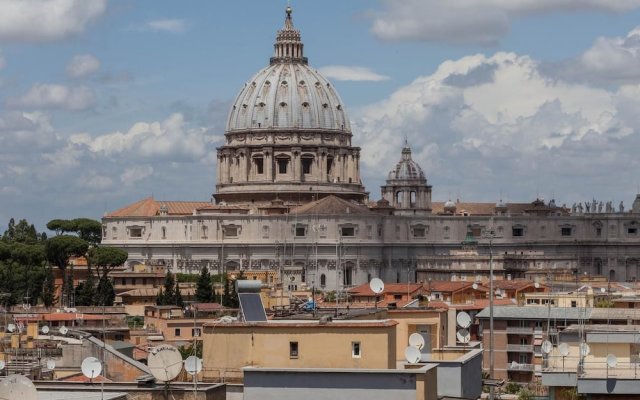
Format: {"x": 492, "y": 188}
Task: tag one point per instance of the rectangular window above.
{"x": 418, "y": 232}
{"x": 598, "y": 232}
{"x": 566, "y": 231}
{"x": 306, "y": 165}
{"x": 135, "y": 232}
{"x": 259, "y": 162}
{"x": 293, "y": 349}
{"x": 355, "y": 350}
{"x": 230, "y": 231}
{"x": 177, "y": 332}
{"x": 301, "y": 231}
{"x": 282, "y": 165}
{"x": 517, "y": 231}
{"x": 347, "y": 231}
{"x": 632, "y": 231}
{"x": 195, "y": 332}
{"x": 574, "y": 303}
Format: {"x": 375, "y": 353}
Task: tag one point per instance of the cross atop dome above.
{"x": 288, "y": 47}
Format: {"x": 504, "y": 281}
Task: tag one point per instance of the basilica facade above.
{"x": 289, "y": 198}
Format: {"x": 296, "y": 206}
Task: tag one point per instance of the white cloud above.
{"x": 351, "y": 73}
{"x": 82, "y": 65}
{"x": 472, "y": 21}
{"x": 46, "y": 20}
{"x": 615, "y": 60}
{"x": 135, "y": 174}
{"x": 55, "y": 96}
{"x": 167, "y": 139}
{"x": 165, "y": 25}
{"x": 483, "y": 125}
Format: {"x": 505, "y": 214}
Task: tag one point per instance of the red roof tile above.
{"x": 149, "y": 207}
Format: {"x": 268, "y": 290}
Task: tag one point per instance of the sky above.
{"x": 106, "y": 102}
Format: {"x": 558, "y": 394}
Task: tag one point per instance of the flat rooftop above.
{"x": 299, "y": 323}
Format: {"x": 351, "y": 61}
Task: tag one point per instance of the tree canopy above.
{"x": 204, "y": 287}
{"x": 106, "y": 259}
{"x": 87, "y": 229}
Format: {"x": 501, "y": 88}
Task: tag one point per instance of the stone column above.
{"x": 268, "y": 163}
{"x": 296, "y": 165}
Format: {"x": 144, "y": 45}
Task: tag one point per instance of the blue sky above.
{"x": 104, "y": 102}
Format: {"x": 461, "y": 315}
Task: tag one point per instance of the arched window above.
{"x": 399, "y": 198}
{"x": 323, "y": 280}
{"x": 413, "y": 199}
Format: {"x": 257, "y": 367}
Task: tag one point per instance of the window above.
{"x": 177, "y": 332}
{"x": 306, "y": 165}
{"x": 164, "y": 232}
{"x": 104, "y": 231}
{"x": 282, "y": 165}
{"x": 265, "y": 231}
{"x": 598, "y": 232}
{"x": 135, "y": 232}
{"x": 574, "y": 303}
{"x": 348, "y": 231}
{"x": 259, "y": 163}
{"x": 301, "y": 231}
{"x": 419, "y": 231}
{"x": 230, "y": 231}
{"x": 114, "y": 232}
{"x": 566, "y": 231}
{"x": 195, "y": 332}
{"x": 397, "y": 297}
{"x": 293, "y": 349}
{"x": 632, "y": 231}
{"x": 323, "y": 280}
{"x": 329, "y": 165}
{"x": 517, "y": 231}
{"x": 355, "y": 349}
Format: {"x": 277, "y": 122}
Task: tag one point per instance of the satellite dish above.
{"x": 91, "y": 367}
{"x": 165, "y": 362}
{"x": 475, "y": 286}
{"x": 193, "y": 365}
{"x": 412, "y": 355}
{"x": 463, "y": 319}
{"x": 44, "y": 329}
{"x": 51, "y": 364}
{"x": 514, "y": 364}
{"x": 63, "y": 330}
{"x": 2, "y": 365}
{"x": 536, "y": 285}
{"x": 463, "y": 335}
{"x": 376, "y": 285}
{"x": 584, "y": 349}
{"x": 612, "y": 361}
{"x": 416, "y": 340}
{"x": 11, "y": 328}
{"x": 603, "y": 290}
{"x": 18, "y": 387}
{"x": 563, "y": 348}
{"x": 546, "y": 347}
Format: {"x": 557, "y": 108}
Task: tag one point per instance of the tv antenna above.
{"x": 17, "y": 387}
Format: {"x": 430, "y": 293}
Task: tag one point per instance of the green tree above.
{"x": 160, "y": 298}
{"x": 105, "y": 294}
{"x": 204, "y": 288}
{"x": 86, "y": 229}
{"x": 179, "y": 299}
{"x": 525, "y": 394}
{"x": 86, "y": 291}
{"x": 105, "y": 259}
{"x": 48, "y": 288}
{"x": 227, "y": 295}
{"x": 187, "y": 350}
{"x": 167, "y": 296}
{"x": 59, "y": 249}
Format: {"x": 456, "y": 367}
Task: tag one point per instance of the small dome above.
{"x": 407, "y": 169}
{"x": 501, "y": 204}
{"x": 449, "y": 205}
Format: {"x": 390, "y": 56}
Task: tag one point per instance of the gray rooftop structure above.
{"x": 567, "y": 313}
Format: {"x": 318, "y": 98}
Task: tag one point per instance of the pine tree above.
{"x": 86, "y": 291}
{"x": 204, "y": 289}
{"x": 169, "y": 297}
{"x": 160, "y": 298}
{"x": 48, "y": 288}
{"x": 105, "y": 294}
{"x": 179, "y": 299}
{"x": 227, "y": 300}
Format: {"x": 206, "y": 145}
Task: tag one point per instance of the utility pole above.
{"x": 491, "y": 234}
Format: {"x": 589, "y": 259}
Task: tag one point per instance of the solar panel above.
{"x": 251, "y": 307}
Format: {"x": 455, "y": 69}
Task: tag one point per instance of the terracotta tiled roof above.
{"x": 149, "y": 207}
{"x": 515, "y": 284}
{"x": 447, "y": 286}
{"x": 330, "y": 205}
{"x": 365, "y": 290}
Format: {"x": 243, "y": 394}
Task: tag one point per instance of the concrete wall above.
{"x": 326, "y": 384}
{"x": 408, "y": 321}
{"x": 229, "y": 348}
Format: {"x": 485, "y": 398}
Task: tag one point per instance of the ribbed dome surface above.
{"x": 288, "y": 96}
{"x": 406, "y": 169}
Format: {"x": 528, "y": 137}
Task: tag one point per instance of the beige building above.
{"x": 297, "y": 344}
{"x": 289, "y": 197}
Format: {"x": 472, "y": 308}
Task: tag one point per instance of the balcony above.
{"x": 520, "y": 348}
{"x": 520, "y": 330}
{"x": 514, "y": 366}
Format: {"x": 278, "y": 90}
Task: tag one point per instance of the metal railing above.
{"x": 520, "y": 348}
{"x": 520, "y": 367}
{"x": 520, "y": 330}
